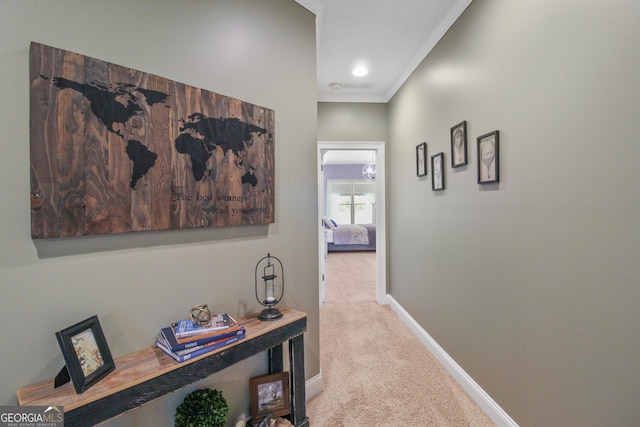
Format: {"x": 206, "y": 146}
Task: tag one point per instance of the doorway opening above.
{"x": 358, "y": 198}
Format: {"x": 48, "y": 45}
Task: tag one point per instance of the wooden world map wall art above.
{"x": 115, "y": 150}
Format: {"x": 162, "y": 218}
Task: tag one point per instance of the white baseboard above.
{"x": 313, "y": 387}
{"x": 488, "y": 405}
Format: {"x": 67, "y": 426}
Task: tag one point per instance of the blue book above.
{"x": 173, "y": 344}
{"x": 199, "y": 352}
{"x": 186, "y": 328}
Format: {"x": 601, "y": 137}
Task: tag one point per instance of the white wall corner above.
{"x": 488, "y": 405}
{"x": 313, "y": 387}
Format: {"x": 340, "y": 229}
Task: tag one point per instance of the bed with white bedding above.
{"x": 351, "y": 237}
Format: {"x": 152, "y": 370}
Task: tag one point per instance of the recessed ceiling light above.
{"x": 360, "y": 71}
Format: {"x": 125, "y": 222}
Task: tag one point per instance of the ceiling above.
{"x": 390, "y": 38}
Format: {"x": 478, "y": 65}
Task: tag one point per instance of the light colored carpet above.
{"x": 375, "y": 371}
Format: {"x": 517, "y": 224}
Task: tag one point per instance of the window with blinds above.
{"x": 351, "y": 201}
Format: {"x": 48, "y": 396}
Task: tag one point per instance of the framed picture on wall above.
{"x": 421, "y": 159}
{"x": 488, "y": 157}
{"x": 86, "y": 354}
{"x": 437, "y": 172}
{"x": 459, "y": 144}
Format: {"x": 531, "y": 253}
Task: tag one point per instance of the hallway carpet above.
{"x": 376, "y": 373}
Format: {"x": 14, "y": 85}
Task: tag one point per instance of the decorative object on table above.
{"x": 421, "y": 159}
{"x": 188, "y": 328}
{"x": 241, "y": 421}
{"x": 267, "y": 421}
{"x": 86, "y": 355}
{"x": 202, "y": 408}
{"x": 200, "y": 314}
{"x": 459, "y": 144}
{"x": 437, "y": 172}
{"x": 270, "y": 395}
{"x": 488, "y": 158}
{"x": 215, "y": 153}
{"x": 269, "y": 292}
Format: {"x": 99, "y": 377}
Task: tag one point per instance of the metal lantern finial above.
{"x": 271, "y": 290}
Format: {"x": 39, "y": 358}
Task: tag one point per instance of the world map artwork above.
{"x": 138, "y": 152}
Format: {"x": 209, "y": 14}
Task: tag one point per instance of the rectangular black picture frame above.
{"x": 437, "y": 172}
{"x": 86, "y": 353}
{"x": 421, "y": 159}
{"x": 489, "y": 157}
{"x": 459, "y": 144}
{"x": 270, "y": 394}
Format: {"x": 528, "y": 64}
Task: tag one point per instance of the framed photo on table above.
{"x": 86, "y": 354}
{"x": 488, "y": 157}
{"x": 270, "y": 395}
{"x": 459, "y": 144}
{"x": 437, "y": 172}
{"x": 421, "y": 159}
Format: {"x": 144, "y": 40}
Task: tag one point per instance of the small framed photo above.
{"x": 488, "y": 157}
{"x": 421, "y": 159}
{"x": 437, "y": 172}
{"x": 459, "y": 144}
{"x": 270, "y": 395}
{"x": 86, "y": 353}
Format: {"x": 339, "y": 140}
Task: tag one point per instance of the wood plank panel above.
{"x": 70, "y": 152}
{"x": 179, "y": 168}
{"x": 120, "y": 193}
{"x": 116, "y": 150}
{"x": 184, "y": 186}
{"x": 137, "y": 145}
{"x": 97, "y": 200}
{"x": 213, "y": 207}
{"x": 159, "y": 141}
{"x": 44, "y": 61}
{"x": 269, "y": 167}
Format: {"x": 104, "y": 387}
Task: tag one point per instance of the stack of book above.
{"x": 185, "y": 340}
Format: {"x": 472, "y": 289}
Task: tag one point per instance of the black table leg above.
{"x": 296, "y": 361}
{"x": 274, "y": 355}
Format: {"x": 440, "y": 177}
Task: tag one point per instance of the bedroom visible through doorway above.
{"x": 351, "y": 206}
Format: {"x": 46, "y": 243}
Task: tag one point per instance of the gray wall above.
{"x": 256, "y": 51}
{"x": 352, "y": 122}
{"x": 532, "y": 284}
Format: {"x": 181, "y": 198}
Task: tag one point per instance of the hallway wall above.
{"x": 531, "y": 284}
{"x": 340, "y": 121}
{"x": 256, "y": 51}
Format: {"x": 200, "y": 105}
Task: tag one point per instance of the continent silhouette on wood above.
{"x": 133, "y": 151}
{"x": 119, "y": 104}
{"x": 201, "y": 135}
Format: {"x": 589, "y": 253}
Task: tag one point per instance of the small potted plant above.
{"x": 202, "y": 408}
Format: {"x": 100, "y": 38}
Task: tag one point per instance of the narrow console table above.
{"x": 149, "y": 374}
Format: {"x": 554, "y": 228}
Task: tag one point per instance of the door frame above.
{"x": 381, "y": 220}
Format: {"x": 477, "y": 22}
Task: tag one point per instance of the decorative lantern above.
{"x": 271, "y": 290}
